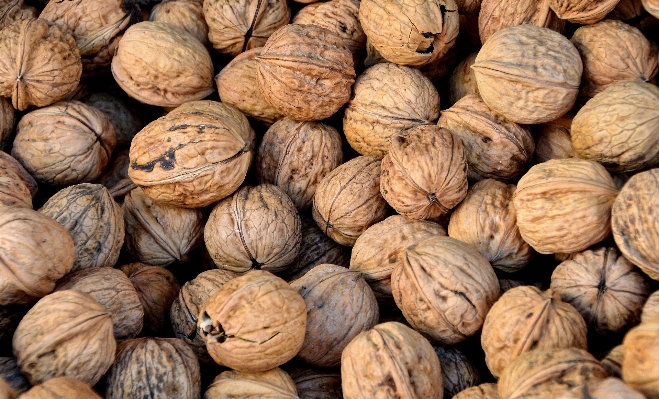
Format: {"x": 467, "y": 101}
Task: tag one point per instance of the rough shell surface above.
{"x": 17, "y": 186}
{"x": 609, "y": 388}
{"x": 495, "y": 15}
{"x": 640, "y": 369}
{"x": 115, "y": 178}
{"x": 553, "y": 141}
{"x": 462, "y": 81}
{"x": 652, "y": 7}
{"x": 317, "y": 384}
{"x": 651, "y": 307}
{"x": 582, "y": 11}
{"x": 483, "y": 391}
{"x": 15, "y": 10}
{"x": 612, "y": 363}
{"x": 7, "y": 122}
{"x": 458, "y": 372}
{"x": 61, "y": 388}
{"x": 123, "y": 118}
{"x": 271, "y": 384}
{"x": 187, "y": 15}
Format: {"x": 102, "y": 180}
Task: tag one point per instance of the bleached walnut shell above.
{"x": 483, "y": 391}
{"x": 462, "y": 81}
{"x": 640, "y": 366}
{"x": 125, "y": 121}
{"x": 582, "y": 11}
{"x": 553, "y": 141}
{"x": 274, "y": 383}
{"x": 17, "y": 186}
{"x": 650, "y": 307}
{"x": 61, "y": 388}
{"x": 495, "y": 15}
{"x": 187, "y": 15}
{"x": 15, "y": 10}
{"x": 458, "y": 372}
{"x": 609, "y": 388}
{"x": 317, "y": 384}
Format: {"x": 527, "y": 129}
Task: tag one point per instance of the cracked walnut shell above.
{"x": 271, "y": 384}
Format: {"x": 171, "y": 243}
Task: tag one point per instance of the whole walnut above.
{"x": 483, "y": 391}
{"x": 158, "y": 64}
{"x": 36, "y": 251}
{"x": 458, "y": 372}
{"x": 194, "y": 156}
{"x": 528, "y": 74}
{"x": 650, "y": 308}
{"x": 15, "y": 10}
{"x": 640, "y": 366}
{"x": 462, "y": 81}
{"x": 495, "y": 15}
{"x": 160, "y": 235}
{"x": 553, "y": 141}
{"x": 274, "y": 383}
{"x": 157, "y": 368}
{"x": 61, "y": 388}
{"x": 340, "y": 305}
{"x": 11, "y": 373}
{"x": 494, "y": 147}
{"x": 125, "y": 121}
{"x": 17, "y": 186}
{"x": 582, "y": 11}
{"x": 388, "y": 362}
{"x": 312, "y": 384}
{"x": 388, "y": 99}
{"x": 187, "y": 15}
{"x": 348, "y": 200}
{"x": 7, "y": 121}
{"x": 295, "y": 156}
{"x": 256, "y": 228}
{"x": 526, "y": 319}
{"x": 255, "y": 322}
{"x": 115, "y": 178}
{"x": 41, "y": 63}
{"x": 609, "y": 388}
{"x": 486, "y": 220}
{"x": 66, "y": 333}
{"x": 306, "y": 72}
{"x": 564, "y": 205}
{"x": 612, "y": 363}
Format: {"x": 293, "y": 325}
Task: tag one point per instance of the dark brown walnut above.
{"x": 185, "y": 308}
{"x": 158, "y": 64}
{"x": 11, "y": 373}
{"x": 187, "y": 15}
{"x": 408, "y": 32}
{"x": 295, "y": 156}
{"x": 483, "y": 391}
{"x": 41, "y": 63}
{"x": 381, "y": 249}
{"x": 65, "y": 143}
{"x": 305, "y": 72}
{"x": 255, "y": 322}
{"x": 494, "y": 147}
{"x": 553, "y": 141}
{"x": 194, "y": 156}
{"x": 15, "y": 10}
{"x": 527, "y": 319}
{"x": 458, "y": 372}
{"x": 7, "y": 122}
{"x": 616, "y": 127}
{"x": 237, "y": 86}
{"x": 160, "y": 235}
{"x": 17, "y": 186}
{"x": 640, "y": 368}
{"x": 10, "y": 316}
{"x": 506, "y": 284}
{"x": 612, "y": 363}
{"x": 650, "y": 308}
{"x": 652, "y": 7}
{"x": 271, "y": 384}
{"x": 462, "y": 81}
{"x": 316, "y": 384}
{"x": 125, "y": 121}
{"x": 36, "y": 251}
{"x": 528, "y": 74}
{"x": 548, "y": 373}
{"x": 340, "y": 305}
{"x": 66, "y": 333}
{"x": 96, "y": 25}
{"x": 444, "y": 288}
{"x": 609, "y": 388}
{"x": 390, "y": 361}
{"x": 495, "y": 15}
{"x": 388, "y": 99}
{"x": 158, "y": 368}
{"x": 256, "y": 228}
{"x": 564, "y": 205}
{"x": 115, "y": 178}
{"x": 626, "y": 10}
{"x": 61, "y": 388}
{"x": 348, "y": 200}
{"x": 582, "y": 11}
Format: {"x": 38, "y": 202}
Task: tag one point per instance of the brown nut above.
{"x": 495, "y": 15}
{"x": 61, "y": 388}
{"x": 483, "y": 391}
{"x": 640, "y": 369}
{"x": 609, "y": 388}
{"x": 6, "y": 391}
{"x": 553, "y": 141}
{"x": 274, "y": 383}
{"x": 313, "y": 384}
{"x": 651, "y": 307}
{"x": 651, "y": 6}
{"x": 17, "y": 186}
{"x": 458, "y": 372}
{"x": 124, "y": 120}
{"x": 462, "y": 81}
{"x": 7, "y": 122}
{"x": 15, "y": 10}
{"x": 115, "y": 178}
{"x": 187, "y": 15}
{"x": 11, "y": 373}
{"x": 582, "y": 11}
{"x": 612, "y": 363}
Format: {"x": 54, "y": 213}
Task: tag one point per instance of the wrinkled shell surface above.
{"x": 483, "y": 391}
{"x": 61, "y": 388}
{"x": 125, "y": 121}
{"x": 462, "y": 81}
{"x": 312, "y": 384}
{"x": 640, "y": 368}
{"x": 651, "y": 307}
{"x": 553, "y": 141}
{"x": 271, "y": 384}
{"x": 457, "y": 371}
{"x": 187, "y": 15}
{"x": 17, "y": 186}
{"x": 652, "y": 7}
{"x": 15, "y": 10}
{"x": 7, "y": 121}
{"x": 115, "y": 178}
{"x": 582, "y": 11}
{"x": 495, "y": 15}
{"x": 609, "y": 388}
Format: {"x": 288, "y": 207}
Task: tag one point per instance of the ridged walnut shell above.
{"x": 640, "y": 365}
{"x": 458, "y": 372}
{"x": 444, "y": 288}
{"x": 123, "y": 118}
{"x": 388, "y": 99}
{"x": 652, "y": 7}
{"x": 306, "y": 72}
{"x": 495, "y": 15}
{"x": 61, "y": 388}
{"x": 194, "y": 156}
{"x": 388, "y": 362}
{"x": 317, "y": 384}
{"x": 609, "y": 388}
{"x": 348, "y": 200}
{"x": 66, "y": 333}
{"x": 650, "y": 307}
{"x": 483, "y": 391}
{"x": 41, "y": 63}
{"x": 612, "y": 363}
{"x": 255, "y": 322}
{"x": 582, "y": 11}
{"x": 564, "y": 205}
{"x": 462, "y": 81}
{"x": 187, "y": 15}
{"x": 553, "y": 141}
{"x": 271, "y": 384}
{"x": 15, "y": 10}
{"x": 158, "y": 64}
{"x": 528, "y": 74}
{"x": 17, "y": 186}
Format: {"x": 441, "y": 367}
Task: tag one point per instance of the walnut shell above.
{"x": 390, "y": 361}
{"x": 553, "y": 141}
{"x": 528, "y": 74}
{"x": 458, "y": 373}
{"x": 640, "y": 368}
{"x": 651, "y": 307}
{"x": 15, "y": 10}
{"x": 10, "y": 316}
{"x": 158, "y": 64}
{"x": 157, "y": 234}
{"x": 295, "y": 156}
{"x": 255, "y": 322}
{"x": 612, "y": 363}
{"x": 275, "y": 384}
{"x": 42, "y": 63}
{"x": 306, "y": 72}
{"x": 609, "y": 388}
{"x": 158, "y": 368}
{"x": 11, "y": 373}
{"x": 564, "y": 205}
{"x": 463, "y": 80}
{"x": 187, "y": 15}
{"x": 626, "y": 10}
{"x": 312, "y": 384}
{"x": 6, "y": 391}
{"x": 483, "y": 391}
{"x": 115, "y": 178}
{"x": 37, "y": 251}
{"x": 495, "y": 15}
{"x": 125, "y": 121}
{"x": 388, "y": 99}
{"x": 348, "y": 200}
{"x": 652, "y": 7}
{"x": 17, "y": 186}
{"x": 66, "y": 333}
{"x": 582, "y": 11}
{"x": 61, "y": 388}
{"x": 7, "y": 121}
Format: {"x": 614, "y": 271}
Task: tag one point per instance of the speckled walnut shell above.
{"x": 158, "y": 368}
{"x": 158, "y": 64}
{"x": 61, "y": 388}
{"x": 42, "y": 63}
{"x": 271, "y": 384}
{"x": 612, "y": 363}
{"x": 640, "y": 365}
{"x": 255, "y": 322}
{"x": 582, "y": 11}
{"x": 444, "y": 288}
{"x": 306, "y": 72}
{"x": 564, "y": 205}
{"x": 348, "y": 200}
{"x": 313, "y": 384}
{"x": 295, "y": 156}
{"x": 609, "y": 388}
{"x": 96, "y": 25}
{"x": 528, "y": 74}
{"x": 458, "y": 372}
{"x": 553, "y": 141}
{"x": 17, "y": 186}
{"x": 381, "y": 249}
{"x": 408, "y": 32}
{"x": 494, "y": 147}
{"x": 463, "y": 80}
{"x": 157, "y": 234}
{"x": 527, "y": 319}
{"x": 495, "y": 15}
{"x": 340, "y": 305}
{"x": 390, "y": 361}
{"x": 483, "y": 391}
{"x": 194, "y": 156}
{"x": 7, "y": 122}
{"x": 65, "y": 143}
{"x": 651, "y": 307}
{"x": 652, "y": 7}
{"x": 66, "y": 333}
{"x": 37, "y": 251}
{"x": 388, "y": 99}
{"x": 187, "y": 15}
{"x": 10, "y": 372}
{"x": 125, "y": 121}
{"x": 15, "y": 10}
{"x": 115, "y": 178}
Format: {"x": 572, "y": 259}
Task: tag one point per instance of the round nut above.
{"x": 274, "y": 383}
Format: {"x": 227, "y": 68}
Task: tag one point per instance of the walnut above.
{"x": 41, "y": 63}
{"x": 640, "y": 368}
{"x": 528, "y": 74}
{"x": 612, "y": 363}
{"x": 15, "y": 10}
{"x": 495, "y": 15}
{"x": 17, "y": 186}
{"x": 458, "y": 372}
{"x": 115, "y": 178}
{"x": 650, "y": 308}
{"x": 61, "y": 388}
{"x": 582, "y": 11}
{"x": 11, "y": 373}
{"x": 312, "y": 384}
{"x": 553, "y": 141}
{"x": 194, "y": 156}
{"x": 652, "y": 7}
{"x": 274, "y": 383}
{"x": 125, "y": 121}
{"x": 626, "y": 10}
{"x": 462, "y": 81}
{"x": 6, "y": 391}
{"x": 7, "y": 121}
{"x": 609, "y": 388}
{"x": 187, "y": 15}
{"x": 483, "y": 391}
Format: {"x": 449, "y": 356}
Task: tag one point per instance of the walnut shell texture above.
{"x": 640, "y": 369}
{"x": 17, "y": 186}
{"x": 483, "y": 391}
{"x": 582, "y": 11}
{"x": 11, "y": 373}
{"x": 651, "y": 307}
{"x": 271, "y": 384}
{"x": 553, "y": 141}
{"x": 61, "y": 388}
{"x": 613, "y": 361}
{"x": 652, "y": 7}
{"x": 187, "y": 15}
{"x": 312, "y": 384}
{"x": 495, "y": 15}
{"x": 15, "y": 10}
{"x": 462, "y": 81}
{"x": 609, "y": 388}
{"x": 115, "y": 178}
{"x": 124, "y": 119}
{"x": 7, "y": 122}
{"x": 458, "y": 372}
